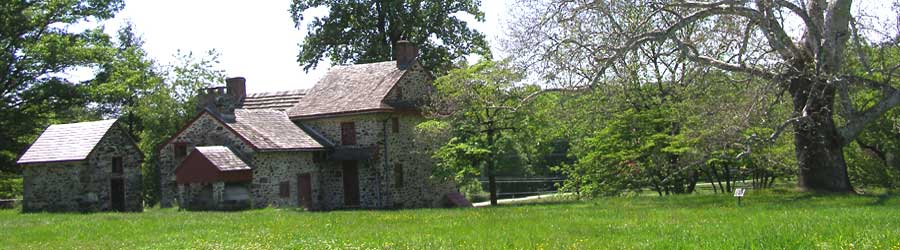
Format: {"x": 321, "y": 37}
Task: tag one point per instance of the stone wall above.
{"x": 370, "y": 129}
{"x": 53, "y": 187}
{"x": 116, "y": 143}
{"x": 85, "y": 185}
{"x": 413, "y": 90}
{"x": 204, "y": 131}
{"x": 271, "y": 169}
{"x": 378, "y": 183}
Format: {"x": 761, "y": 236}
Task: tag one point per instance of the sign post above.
{"x": 739, "y": 193}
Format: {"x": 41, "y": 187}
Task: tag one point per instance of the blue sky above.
{"x": 256, "y": 39}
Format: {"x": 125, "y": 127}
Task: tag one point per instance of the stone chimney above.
{"x": 405, "y": 53}
{"x": 237, "y": 87}
{"x": 223, "y": 100}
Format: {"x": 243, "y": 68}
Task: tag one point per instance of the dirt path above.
{"x": 526, "y": 198}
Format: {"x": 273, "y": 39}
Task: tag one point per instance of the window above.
{"x": 348, "y": 133}
{"x": 285, "y": 189}
{"x": 395, "y": 123}
{"x": 180, "y": 149}
{"x": 117, "y": 165}
{"x": 398, "y": 175}
{"x": 399, "y": 93}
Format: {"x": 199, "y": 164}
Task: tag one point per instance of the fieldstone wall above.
{"x": 54, "y": 187}
{"x": 413, "y": 90}
{"x": 271, "y": 169}
{"x": 204, "y": 131}
{"x": 379, "y": 187}
{"x": 417, "y": 188}
{"x": 85, "y": 185}
{"x": 370, "y": 129}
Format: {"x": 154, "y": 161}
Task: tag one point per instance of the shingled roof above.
{"x": 271, "y": 130}
{"x": 223, "y": 158}
{"x": 66, "y": 142}
{"x": 352, "y": 88}
{"x": 281, "y": 100}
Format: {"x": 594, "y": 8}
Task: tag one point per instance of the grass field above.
{"x": 766, "y": 220}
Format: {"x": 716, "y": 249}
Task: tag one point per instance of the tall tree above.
{"x": 586, "y": 40}
{"x": 482, "y": 103}
{"x": 365, "y": 31}
{"x": 152, "y": 100}
{"x": 37, "y": 49}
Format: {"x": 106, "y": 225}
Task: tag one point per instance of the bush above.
{"x": 10, "y": 187}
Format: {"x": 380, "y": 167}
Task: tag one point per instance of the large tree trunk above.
{"x": 817, "y": 142}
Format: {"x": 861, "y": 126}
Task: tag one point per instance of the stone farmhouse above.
{"x": 345, "y": 143}
{"x": 88, "y": 166}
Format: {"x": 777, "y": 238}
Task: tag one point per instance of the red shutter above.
{"x": 348, "y": 133}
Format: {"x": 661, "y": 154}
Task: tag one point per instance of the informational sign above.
{"x": 739, "y": 192}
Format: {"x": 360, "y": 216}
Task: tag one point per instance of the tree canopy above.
{"x": 591, "y": 43}
{"x": 365, "y": 31}
{"x": 38, "y": 49}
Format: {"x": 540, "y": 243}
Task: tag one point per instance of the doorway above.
{"x": 351, "y": 184}
{"x": 117, "y": 194}
{"x": 304, "y": 190}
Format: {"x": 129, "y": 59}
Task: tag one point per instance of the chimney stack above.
{"x": 405, "y": 53}
{"x": 237, "y": 87}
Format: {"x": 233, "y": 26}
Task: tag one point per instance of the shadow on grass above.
{"x": 882, "y": 199}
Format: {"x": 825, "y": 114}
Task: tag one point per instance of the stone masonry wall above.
{"x": 413, "y": 90}
{"x": 115, "y": 144}
{"x": 378, "y": 184}
{"x": 270, "y": 169}
{"x": 205, "y": 131}
{"x": 369, "y": 133}
{"x": 52, "y": 187}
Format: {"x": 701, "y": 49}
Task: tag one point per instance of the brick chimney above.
{"x": 405, "y": 53}
{"x": 236, "y": 87}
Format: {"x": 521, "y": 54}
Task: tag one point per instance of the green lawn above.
{"x": 784, "y": 220}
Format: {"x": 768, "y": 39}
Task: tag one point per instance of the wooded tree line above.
{"x": 42, "y": 50}
{"x": 672, "y": 93}
{"x": 616, "y": 96}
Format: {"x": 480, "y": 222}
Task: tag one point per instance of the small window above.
{"x": 117, "y": 165}
{"x": 285, "y": 189}
{"x": 348, "y": 133}
{"x": 180, "y": 150}
{"x": 398, "y": 175}
{"x": 395, "y": 123}
{"x": 399, "y": 93}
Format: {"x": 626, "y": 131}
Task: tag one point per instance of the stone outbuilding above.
{"x": 348, "y": 142}
{"x": 87, "y": 166}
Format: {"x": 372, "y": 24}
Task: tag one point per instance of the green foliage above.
{"x": 485, "y": 106}
{"x": 10, "y": 186}
{"x": 38, "y": 48}
{"x": 635, "y": 150}
{"x": 460, "y": 161}
{"x": 765, "y": 220}
{"x": 365, "y": 31}
{"x": 874, "y": 157}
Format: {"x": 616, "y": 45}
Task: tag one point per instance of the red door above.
{"x": 351, "y": 184}
{"x": 304, "y": 189}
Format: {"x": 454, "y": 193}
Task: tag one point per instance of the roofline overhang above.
{"x": 293, "y": 150}
{"x": 53, "y": 161}
{"x": 343, "y": 113}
